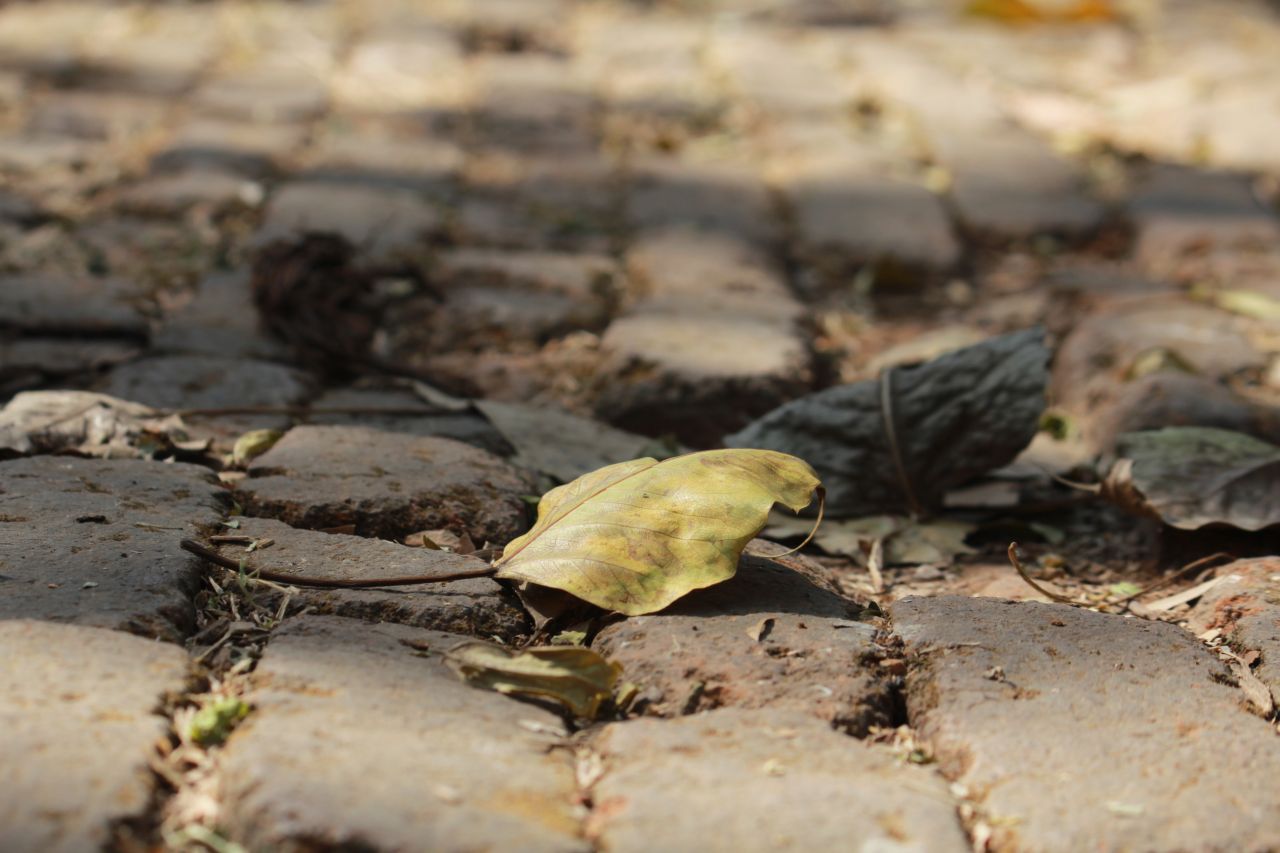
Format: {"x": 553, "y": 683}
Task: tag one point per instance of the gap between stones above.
{"x": 906, "y": 738}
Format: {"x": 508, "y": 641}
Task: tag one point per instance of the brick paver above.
{"x": 95, "y": 541}
{"x": 1139, "y": 735}
{"x": 362, "y": 737}
{"x": 81, "y": 716}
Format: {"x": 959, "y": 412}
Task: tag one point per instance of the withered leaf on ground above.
{"x": 635, "y": 536}
{"x": 906, "y": 541}
{"x": 84, "y": 422}
{"x": 576, "y": 677}
{"x": 253, "y": 444}
{"x": 1190, "y": 477}
{"x": 954, "y": 418}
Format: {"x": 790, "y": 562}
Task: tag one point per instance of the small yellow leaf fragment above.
{"x": 1125, "y": 809}
{"x": 576, "y": 677}
{"x": 254, "y": 443}
{"x": 1247, "y": 303}
{"x": 773, "y": 767}
{"x": 447, "y": 794}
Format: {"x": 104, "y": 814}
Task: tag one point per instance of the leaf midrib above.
{"x": 507, "y": 558}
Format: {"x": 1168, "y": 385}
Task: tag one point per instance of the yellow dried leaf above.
{"x": 576, "y": 677}
{"x": 253, "y": 444}
{"x": 635, "y": 536}
{"x": 1248, "y": 303}
{"x": 1043, "y": 11}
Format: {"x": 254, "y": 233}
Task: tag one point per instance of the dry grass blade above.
{"x": 1254, "y": 689}
{"x": 1189, "y": 568}
{"x": 1022, "y": 573}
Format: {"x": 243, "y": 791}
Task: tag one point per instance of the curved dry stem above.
{"x": 817, "y": 522}
{"x": 1022, "y": 573}
{"x": 209, "y": 555}
{"x": 895, "y": 449}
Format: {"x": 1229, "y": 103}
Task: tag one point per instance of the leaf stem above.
{"x": 1170, "y": 578}
{"x": 217, "y": 559}
{"x": 895, "y": 449}
{"x": 817, "y": 522}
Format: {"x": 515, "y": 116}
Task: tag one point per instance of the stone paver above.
{"x": 30, "y": 361}
{"x": 712, "y": 338}
{"x": 786, "y": 78}
{"x": 1236, "y": 122}
{"x": 465, "y": 426}
{"x": 95, "y": 116}
{"x": 387, "y": 154}
{"x": 28, "y": 154}
{"x": 161, "y": 56}
{"x": 648, "y": 73}
{"x": 387, "y": 484}
{"x": 15, "y": 207}
{"x": 762, "y": 780}
{"x": 477, "y": 606}
{"x": 1008, "y": 184}
{"x": 385, "y": 223}
{"x": 251, "y": 150}
{"x": 850, "y": 211}
{"x": 173, "y": 194}
{"x": 219, "y": 321}
{"x": 1076, "y": 730}
{"x": 95, "y": 542}
{"x": 766, "y": 638}
{"x": 538, "y": 201}
{"x": 1245, "y": 608}
{"x": 421, "y": 69}
{"x": 1102, "y": 353}
{"x": 533, "y": 26}
{"x": 497, "y": 299}
{"x": 361, "y": 738}
{"x": 211, "y": 382}
{"x": 42, "y": 39}
{"x": 1004, "y": 181}
{"x": 264, "y": 94}
{"x": 42, "y": 302}
{"x": 78, "y": 720}
{"x": 1185, "y": 219}
{"x": 702, "y": 190}
{"x": 531, "y": 102}
{"x": 1174, "y": 398}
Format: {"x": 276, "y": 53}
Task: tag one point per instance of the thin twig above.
{"x": 1090, "y": 488}
{"x": 891, "y": 436}
{"x": 329, "y": 583}
{"x": 1168, "y": 579}
{"x": 1022, "y": 573}
{"x": 305, "y": 411}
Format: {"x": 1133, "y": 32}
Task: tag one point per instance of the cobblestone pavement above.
{"x": 670, "y": 217}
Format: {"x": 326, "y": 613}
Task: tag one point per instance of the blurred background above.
{"x": 670, "y": 216}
